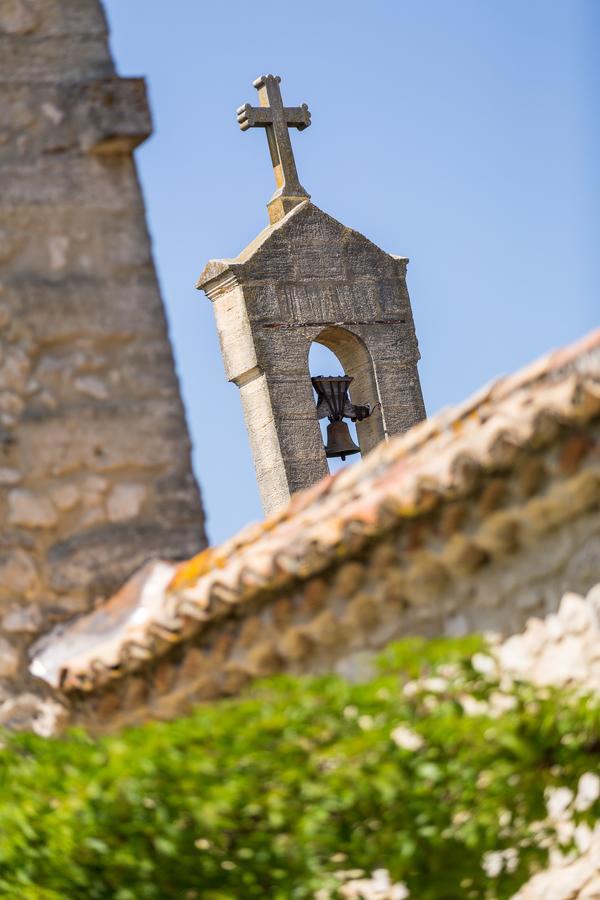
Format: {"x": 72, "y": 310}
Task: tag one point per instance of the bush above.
{"x": 273, "y": 794}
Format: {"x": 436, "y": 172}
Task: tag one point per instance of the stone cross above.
{"x": 276, "y": 118}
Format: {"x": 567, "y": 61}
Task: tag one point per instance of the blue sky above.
{"x": 461, "y": 133}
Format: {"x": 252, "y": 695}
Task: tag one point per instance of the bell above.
{"x": 339, "y": 441}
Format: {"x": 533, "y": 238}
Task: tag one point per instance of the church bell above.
{"x": 339, "y": 441}
{"x": 333, "y": 402}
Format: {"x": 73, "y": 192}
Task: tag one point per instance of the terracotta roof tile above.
{"x": 435, "y": 462}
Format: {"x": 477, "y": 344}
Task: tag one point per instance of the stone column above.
{"x": 276, "y": 394}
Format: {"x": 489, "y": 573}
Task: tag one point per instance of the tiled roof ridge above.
{"x": 549, "y": 367}
{"x": 402, "y": 479}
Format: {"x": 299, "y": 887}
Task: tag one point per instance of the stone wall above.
{"x": 95, "y": 470}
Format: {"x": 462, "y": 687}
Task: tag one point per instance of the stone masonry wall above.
{"x": 95, "y": 472}
{"x": 309, "y": 278}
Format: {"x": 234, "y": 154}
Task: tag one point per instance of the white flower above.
{"x": 346, "y": 874}
{"x": 460, "y": 817}
{"x": 484, "y": 664}
{"x": 435, "y": 685}
{"x": 431, "y": 702}
{"x": 378, "y": 887}
{"x": 583, "y": 837}
{"x": 501, "y": 703}
{"x": 506, "y": 682}
{"x": 588, "y": 791}
{"x": 495, "y": 861}
{"x": 350, "y": 712}
{"x": 365, "y": 722}
{"x": 449, "y": 670}
{"x": 406, "y": 739}
{"x": 565, "y": 830}
{"x": 411, "y": 688}
{"x": 492, "y": 863}
{"x": 473, "y": 707}
{"x": 493, "y": 638}
{"x": 484, "y": 779}
{"x": 381, "y": 878}
{"x": 557, "y": 801}
{"x": 511, "y": 859}
{"x": 557, "y": 859}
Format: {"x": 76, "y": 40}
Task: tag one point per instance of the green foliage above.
{"x": 272, "y": 794}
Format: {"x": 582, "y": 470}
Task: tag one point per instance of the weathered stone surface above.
{"x": 22, "y": 619}
{"x": 87, "y": 438}
{"x": 92, "y": 387}
{"x": 14, "y": 369}
{"x": 125, "y": 501}
{"x": 17, "y": 17}
{"x": 99, "y": 559}
{"x": 107, "y": 116}
{"x": 85, "y": 306}
{"x": 9, "y": 476}
{"x": 68, "y": 19}
{"x": 308, "y": 278}
{"x": 29, "y": 712}
{"x": 18, "y": 573}
{"x": 9, "y": 659}
{"x": 277, "y": 118}
{"x": 65, "y": 496}
{"x": 90, "y": 413}
{"x": 31, "y": 510}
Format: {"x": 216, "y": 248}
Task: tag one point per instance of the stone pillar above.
{"x": 95, "y": 472}
{"x": 277, "y": 399}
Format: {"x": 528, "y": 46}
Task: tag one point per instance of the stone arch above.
{"x": 357, "y": 361}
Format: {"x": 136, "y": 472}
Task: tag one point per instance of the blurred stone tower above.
{"x": 94, "y": 453}
{"x": 308, "y": 278}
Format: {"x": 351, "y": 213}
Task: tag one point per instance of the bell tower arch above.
{"x": 357, "y": 363}
{"x": 308, "y": 278}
